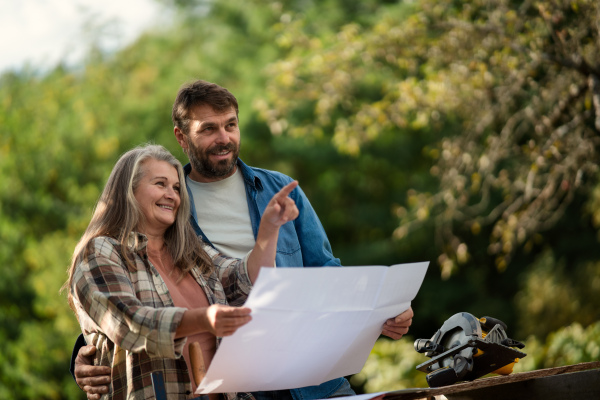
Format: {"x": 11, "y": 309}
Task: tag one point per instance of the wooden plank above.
{"x": 494, "y": 382}
{"x": 581, "y": 385}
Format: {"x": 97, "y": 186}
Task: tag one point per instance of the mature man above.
{"x": 228, "y": 199}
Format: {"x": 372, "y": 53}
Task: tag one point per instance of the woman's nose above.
{"x": 171, "y": 193}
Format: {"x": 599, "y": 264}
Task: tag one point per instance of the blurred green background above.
{"x": 461, "y": 133}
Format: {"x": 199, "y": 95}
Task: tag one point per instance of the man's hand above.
{"x": 398, "y": 326}
{"x": 91, "y": 378}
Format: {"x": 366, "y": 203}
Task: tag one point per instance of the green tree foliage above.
{"x": 511, "y": 85}
{"x": 390, "y": 366}
{"x": 46, "y": 195}
{"x": 567, "y": 346}
{"x": 61, "y": 132}
{"x": 548, "y": 280}
{"x": 504, "y": 95}
{"x": 465, "y": 130}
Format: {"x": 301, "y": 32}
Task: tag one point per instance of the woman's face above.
{"x": 158, "y": 196}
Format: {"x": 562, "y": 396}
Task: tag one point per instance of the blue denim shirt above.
{"x": 301, "y": 242}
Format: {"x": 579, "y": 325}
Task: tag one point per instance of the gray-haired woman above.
{"x": 141, "y": 281}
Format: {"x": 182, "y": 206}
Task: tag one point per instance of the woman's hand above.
{"x": 225, "y": 320}
{"x": 281, "y": 208}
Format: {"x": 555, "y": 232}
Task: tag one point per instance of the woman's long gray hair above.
{"x": 117, "y": 214}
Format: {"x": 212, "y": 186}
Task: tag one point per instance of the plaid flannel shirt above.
{"x": 129, "y": 315}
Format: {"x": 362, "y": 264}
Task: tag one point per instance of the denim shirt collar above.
{"x": 249, "y": 176}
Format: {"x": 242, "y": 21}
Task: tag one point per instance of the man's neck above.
{"x": 198, "y": 177}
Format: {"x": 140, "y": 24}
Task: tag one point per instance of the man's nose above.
{"x": 222, "y": 136}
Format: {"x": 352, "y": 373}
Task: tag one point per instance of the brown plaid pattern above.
{"x": 129, "y": 315}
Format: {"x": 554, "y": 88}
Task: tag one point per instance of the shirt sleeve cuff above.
{"x": 166, "y": 344}
{"x": 243, "y": 276}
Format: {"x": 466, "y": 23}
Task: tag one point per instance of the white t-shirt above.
{"x": 223, "y": 215}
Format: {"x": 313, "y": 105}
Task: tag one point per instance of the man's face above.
{"x": 212, "y": 144}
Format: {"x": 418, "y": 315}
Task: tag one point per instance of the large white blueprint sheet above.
{"x": 310, "y": 325}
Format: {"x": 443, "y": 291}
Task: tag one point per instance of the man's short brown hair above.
{"x": 199, "y": 93}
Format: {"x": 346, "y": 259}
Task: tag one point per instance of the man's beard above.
{"x": 200, "y": 160}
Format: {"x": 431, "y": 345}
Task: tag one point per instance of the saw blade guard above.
{"x": 465, "y": 348}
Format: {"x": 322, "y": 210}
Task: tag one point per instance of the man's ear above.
{"x": 181, "y": 138}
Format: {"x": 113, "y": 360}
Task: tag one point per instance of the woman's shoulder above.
{"x": 105, "y": 246}
{"x": 103, "y": 241}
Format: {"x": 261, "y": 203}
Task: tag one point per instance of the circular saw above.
{"x": 466, "y": 348}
